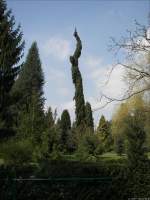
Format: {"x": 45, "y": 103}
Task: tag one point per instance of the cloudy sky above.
{"x": 51, "y": 24}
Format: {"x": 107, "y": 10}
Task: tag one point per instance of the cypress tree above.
{"x": 89, "y": 117}
{"x": 77, "y": 81}
{"x": 65, "y": 125}
{"x": 11, "y": 47}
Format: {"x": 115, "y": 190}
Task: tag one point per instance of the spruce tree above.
{"x": 65, "y": 125}
{"x": 11, "y": 48}
{"x": 89, "y": 116}
{"x": 77, "y": 80}
{"x": 29, "y": 86}
{"x": 31, "y": 79}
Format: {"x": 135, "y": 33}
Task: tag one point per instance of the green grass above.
{"x": 112, "y": 156}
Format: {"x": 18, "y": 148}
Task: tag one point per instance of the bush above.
{"x": 17, "y": 152}
{"x": 88, "y": 148}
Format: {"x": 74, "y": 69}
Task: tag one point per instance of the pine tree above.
{"x": 77, "y": 80}
{"x": 11, "y": 47}
{"x": 65, "y": 125}
{"x": 89, "y": 117}
{"x": 29, "y": 86}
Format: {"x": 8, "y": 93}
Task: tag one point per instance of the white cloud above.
{"x": 57, "y": 47}
{"x": 64, "y": 91}
{"x": 56, "y": 74}
{"x": 70, "y": 106}
{"x": 98, "y": 73}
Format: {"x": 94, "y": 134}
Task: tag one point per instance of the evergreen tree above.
{"x": 11, "y": 47}
{"x": 31, "y": 79}
{"x": 49, "y": 118}
{"x": 77, "y": 80}
{"x": 136, "y": 136}
{"x": 104, "y": 133}
{"x": 102, "y": 128}
{"x": 29, "y": 86}
{"x": 89, "y": 117}
{"x": 65, "y": 125}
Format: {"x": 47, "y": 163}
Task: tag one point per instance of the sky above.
{"x": 52, "y": 23}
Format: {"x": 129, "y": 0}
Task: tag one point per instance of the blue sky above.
{"x": 51, "y": 24}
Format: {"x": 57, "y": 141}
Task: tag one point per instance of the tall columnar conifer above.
{"x": 77, "y": 80}
{"x": 65, "y": 125}
{"x": 89, "y": 116}
{"x": 11, "y": 48}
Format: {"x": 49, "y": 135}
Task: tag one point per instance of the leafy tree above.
{"x": 77, "y": 80}
{"x": 89, "y": 117}
{"x": 118, "y": 122}
{"x": 65, "y": 125}
{"x": 11, "y": 47}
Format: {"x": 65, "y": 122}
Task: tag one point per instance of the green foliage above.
{"x": 77, "y": 80}
{"x": 29, "y": 91}
{"x": 136, "y": 136}
{"x": 55, "y": 154}
{"x": 89, "y": 147}
{"x": 119, "y": 145}
{"x": 11, "y": 46}
{"x": 65, "y": 126}
{"x": 89, "y": 116}
{"x": 104, "y": 133}
{"x": 49, "y": 118}
{"x": 17, "y": 152}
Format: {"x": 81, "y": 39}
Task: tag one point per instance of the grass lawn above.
{"x": 112, "y": 156}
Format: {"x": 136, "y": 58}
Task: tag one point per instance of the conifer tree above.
{"x": 77, "y": 80}
{"x": 103, "y": 131}
{"x": 89, "y": 117}
{"x": 49, "y": 118}
{"x": 65, "y": 125}
{"x": 136, "y": 136}
{"x": 11, "y": 47}
{"x": 31, "y": 79}
{"x": 29, "y": 86}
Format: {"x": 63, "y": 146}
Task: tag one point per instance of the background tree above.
{"x": 77, "y": 80}
{"x": 103, "y": 131}
{"x": 49, "y": 118}
{"x": 89, "y": 116}
{"x": 29, "y": 90}
{"x": 118, "y": 122}
{"x": 65, "y": 125}
{"x": 11, "y": 47}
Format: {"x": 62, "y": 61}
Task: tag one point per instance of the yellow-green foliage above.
{"x": 123, "y": 111}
